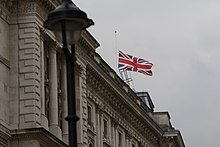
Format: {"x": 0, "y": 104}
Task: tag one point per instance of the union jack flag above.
{"x": 131, "y": 63}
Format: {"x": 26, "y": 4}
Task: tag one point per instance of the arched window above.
{"x": 90, "y": 145}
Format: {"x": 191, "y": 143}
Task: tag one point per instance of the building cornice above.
{"x": 88, "y": 39}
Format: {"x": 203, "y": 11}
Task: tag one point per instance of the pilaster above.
{"x": 53, "y": 92}
{"x": 98, "y": 129}
{"x": 4, "y": 72}
{"x": 114, "y": 127}
{"x": 81, "y": 103}
{"x": 29, "y": 75}
{"x": 44, "y": 120}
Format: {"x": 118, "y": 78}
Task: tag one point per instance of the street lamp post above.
{"x": 67, "y": 21}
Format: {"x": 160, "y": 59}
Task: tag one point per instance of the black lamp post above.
{"x": 67, "y": 21}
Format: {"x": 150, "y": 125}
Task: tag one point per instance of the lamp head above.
{"x": 74, "y": 19}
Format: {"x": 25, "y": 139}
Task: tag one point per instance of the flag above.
{"x": 131, "y": 63}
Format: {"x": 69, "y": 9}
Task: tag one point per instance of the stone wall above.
{"x": 4, "y": 82}
{"x": 4, "y": 72}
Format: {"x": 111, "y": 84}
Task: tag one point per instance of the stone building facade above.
{"x": 33, "y": 101}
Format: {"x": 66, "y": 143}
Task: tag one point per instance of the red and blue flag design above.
{"x": 131, "y": 63}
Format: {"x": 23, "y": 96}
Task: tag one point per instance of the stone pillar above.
{"x": 98, "y": 126}
{"x": 114, "y": 133}
{"x": 44, "y": 120}
{"x": 116, "y": 138}
{"x": 101, "y": 127}
{"x": 29, "y": 75}
{"x": 81, "y": 103}
{"x": 123, "y": 140}
{"x": 64, "y": 99}
{"x": 53, "y": 94}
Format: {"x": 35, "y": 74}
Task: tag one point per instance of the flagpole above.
{"x": 116, "y": 51}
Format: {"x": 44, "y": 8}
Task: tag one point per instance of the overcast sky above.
{"x": 182, "y": 39}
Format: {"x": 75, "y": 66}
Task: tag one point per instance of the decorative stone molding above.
{"x": 86, "y": 43}
{"x": 168, "y": 142}
{"x": 5, "y": 7}
{"x": 7, "y": 4}
{"x": 17, "y": 8}
{"x": 90, "y": 40}
{"x": 53, "y": 45}
{"x": 79, "y": 69}
{"x": 22, "y": 8}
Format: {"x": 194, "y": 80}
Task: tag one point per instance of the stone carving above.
{"x": 6, "y": 3}
{"x": 26, "y": 7}
{"x": 5, "y": 6}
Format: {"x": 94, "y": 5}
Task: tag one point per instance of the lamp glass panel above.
{"x": 73, "y": 31}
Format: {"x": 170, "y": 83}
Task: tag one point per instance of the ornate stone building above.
{"x": 33, "y": 101}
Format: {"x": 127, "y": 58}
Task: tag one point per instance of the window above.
{"x": 89, "y": 109}
{"x": 90, "y": 145}
{"x": 105, "y": 131}
{"x": 119, "y": 139}
{"x": 91, "y": 118}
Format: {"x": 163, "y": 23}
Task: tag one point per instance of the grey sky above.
{"x": 182, "y": 39}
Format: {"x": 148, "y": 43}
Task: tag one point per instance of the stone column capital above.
{"x": 114, "y": 123}
{"x": 79, "y": 69}
{"x": 53, "y": 46}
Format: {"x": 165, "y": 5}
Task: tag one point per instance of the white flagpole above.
{"x": 116, "y": 51}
